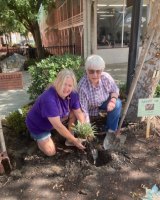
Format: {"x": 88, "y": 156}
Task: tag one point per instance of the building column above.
{"x": 93, "y": 26}
{"x": 87, "y": 27}
{"x": 90, "y": 26}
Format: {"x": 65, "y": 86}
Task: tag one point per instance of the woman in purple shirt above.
{"x": 53, "y": 106}
{"x": 98, "y": 91}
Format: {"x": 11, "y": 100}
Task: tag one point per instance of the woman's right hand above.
{"x": 57, "y": 124}
{"x": 78, "y": 144}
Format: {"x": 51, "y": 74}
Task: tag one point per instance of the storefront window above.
{"x": 114, "y": 23}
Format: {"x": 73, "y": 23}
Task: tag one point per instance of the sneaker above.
{"x": 102, "y": 113}
{"x": 69, "y": 144}
{"x": 110, "y": 131}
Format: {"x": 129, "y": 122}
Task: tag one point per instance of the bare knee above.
{"x": 49, "y": 152}
{"x": 47, "y": 146}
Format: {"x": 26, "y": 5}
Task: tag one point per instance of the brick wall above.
{"x": 78, "y": 41}
{"x": 10, "y": 81}
{"x": 63, "y": 35}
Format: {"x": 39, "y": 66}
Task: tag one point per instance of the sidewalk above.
{"x": 11, "y": 100}
{"x": 118, "y": 72}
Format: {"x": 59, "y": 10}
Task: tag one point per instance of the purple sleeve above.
{"x": 74, "y": 101}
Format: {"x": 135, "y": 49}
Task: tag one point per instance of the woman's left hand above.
{"x": 111, "y": 105}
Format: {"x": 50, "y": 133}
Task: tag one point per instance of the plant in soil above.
{"x": 96, "y": 154}
{"x": 85, "y": 130}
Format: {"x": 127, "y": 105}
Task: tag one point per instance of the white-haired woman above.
{"x": 98, "y": 91}
{"x": 52, "y": 107}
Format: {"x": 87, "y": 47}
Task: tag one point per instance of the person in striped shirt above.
{"x": 98, "y": 91}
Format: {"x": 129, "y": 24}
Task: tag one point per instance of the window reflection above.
{"x": 114, "y": 23}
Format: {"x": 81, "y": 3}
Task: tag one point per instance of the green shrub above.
{"x": 45, "y": 72}
{"x": 16, "y": 120}
{"x": 157, "y": 92}
{"x": 29, "y": 62}
{"x": 122, "y": 92}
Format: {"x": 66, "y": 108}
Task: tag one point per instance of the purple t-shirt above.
{"x": 50, "y": 104}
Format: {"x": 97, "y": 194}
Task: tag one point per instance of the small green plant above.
{"x": 123, "y": 91}
{"x": 157, "y": 92}
{"x": 16, "y": 120}
{"x": 85, "y": 130}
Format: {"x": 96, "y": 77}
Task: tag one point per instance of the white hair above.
{"x": 95, "y": 62}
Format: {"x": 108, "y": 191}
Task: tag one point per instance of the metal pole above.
{"x": 124, "y": 2}
{"x": 134, "y": 41}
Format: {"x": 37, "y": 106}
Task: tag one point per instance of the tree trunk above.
{"x": 150, "y": 75}
{"x": 37, "y": 38}
{"x": 10, "y": 39}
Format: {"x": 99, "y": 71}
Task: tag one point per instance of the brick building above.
{"x": 64, "y": 25}
{"x": 92, "y": 26}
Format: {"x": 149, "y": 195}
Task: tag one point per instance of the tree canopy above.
{"x": 9, "y": 24}
{"x": 24, "y": 13}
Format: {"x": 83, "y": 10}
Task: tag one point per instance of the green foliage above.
{"x": 23, "y": 15}
{"x": 85, "y": 130}
{"x": 157, "y": 92}
{"x": 45, "y": 71}
{"x": 8, "y": 23}
{"x": 29, "y": 62}
{"x": 16, "y": 120}
{"x": 24, "y": 11}
{"x": 122, "y": 91}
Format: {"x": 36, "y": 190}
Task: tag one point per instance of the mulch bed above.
{"x": 118, "y": 174}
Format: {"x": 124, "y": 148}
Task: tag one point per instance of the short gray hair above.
{"x": 61, "y": 78}
{"x": 94, "y": 62}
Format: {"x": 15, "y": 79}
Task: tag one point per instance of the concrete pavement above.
{"x": 118, "y": 72}
{"x": 11, "y": 100}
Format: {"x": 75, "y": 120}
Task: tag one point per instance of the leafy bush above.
{"x": 16, "y": 120}
{"x": 45, "y": 72}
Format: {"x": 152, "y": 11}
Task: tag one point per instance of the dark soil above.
{"x": 118, "y": 174}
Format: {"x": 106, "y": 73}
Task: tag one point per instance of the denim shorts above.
{"x": 40, "y": 137}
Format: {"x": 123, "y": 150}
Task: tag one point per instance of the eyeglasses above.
{"x": 91, "y": 71}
